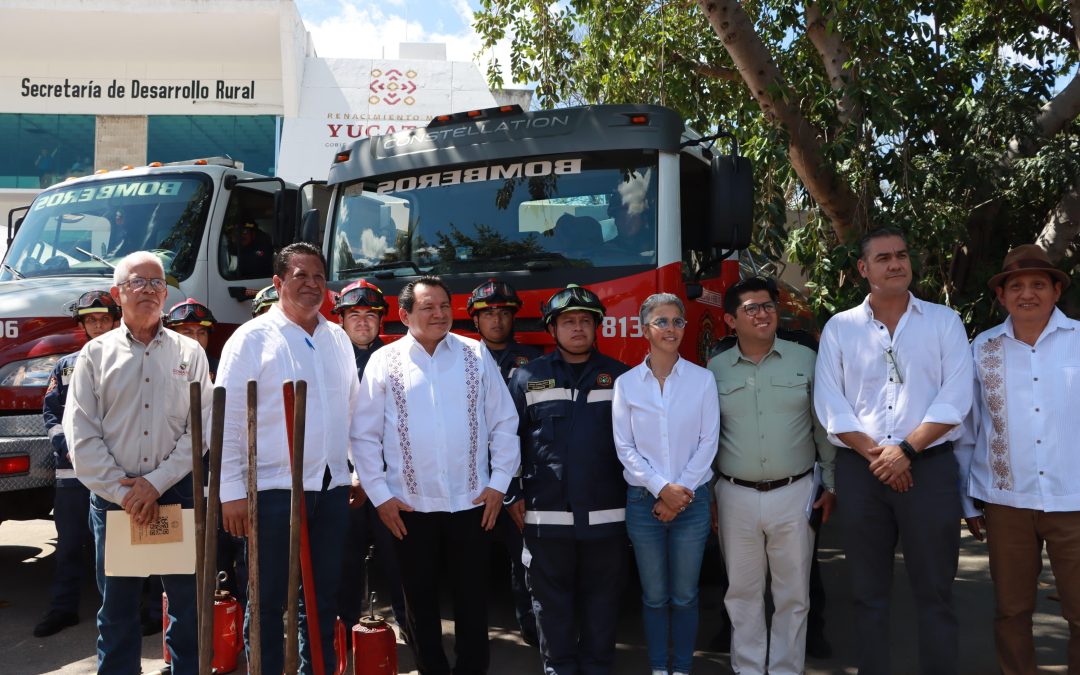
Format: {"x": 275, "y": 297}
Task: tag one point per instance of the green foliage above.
{"x": 943, "y": 88}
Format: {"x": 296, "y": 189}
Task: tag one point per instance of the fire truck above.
{"x": 623, "y": 199}
{"x": 201, "y": 218}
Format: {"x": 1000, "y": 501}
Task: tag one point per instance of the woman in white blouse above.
{"x": 666, "y": 418}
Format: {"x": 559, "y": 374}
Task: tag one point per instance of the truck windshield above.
{"x": 86, "y": 229}
{"x": 578, "y": 211}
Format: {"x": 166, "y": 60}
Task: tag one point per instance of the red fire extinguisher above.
{"x": 228, "y": 625}
{"x": 373, "y": 643}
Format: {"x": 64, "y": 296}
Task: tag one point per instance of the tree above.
{"x": 955, "y": 120}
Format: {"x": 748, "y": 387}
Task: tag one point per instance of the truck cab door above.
{"x": 241, "y": 250}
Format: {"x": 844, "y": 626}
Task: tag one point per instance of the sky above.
{"x": 366, "y": 29}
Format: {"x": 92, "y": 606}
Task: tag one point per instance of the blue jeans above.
{"x": 328, "y": 523}
{"x": 669, "y": 562}
{"x": 119, "y": 644}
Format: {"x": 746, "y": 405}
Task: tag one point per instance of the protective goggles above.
{"x": 190, "y": 313}
{"x": 495, "y": 294}
{"x": 94, "y": 302}
{"x": 574, "y": 297}
{"x": 362, "y": 295}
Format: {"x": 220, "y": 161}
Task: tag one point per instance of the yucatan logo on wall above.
{"x": 392, "y": 87}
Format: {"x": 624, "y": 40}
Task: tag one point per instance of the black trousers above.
{"x": 926, "y": 521}
{"x": 456, "y": 543}
{"x": 576, "y": 587}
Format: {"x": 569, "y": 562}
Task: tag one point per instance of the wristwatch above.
{"x": 909, "y": 451}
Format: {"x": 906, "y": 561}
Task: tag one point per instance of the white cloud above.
{"x": 365, "y": 30}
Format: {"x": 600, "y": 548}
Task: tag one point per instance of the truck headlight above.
{"x": 29, "y": 373}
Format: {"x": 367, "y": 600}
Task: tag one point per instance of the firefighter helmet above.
{"x": 95, "y": 302}
{"x": 190, "y": 311}
{"x": 492, "y": 294}
{"x": 360, "y": 293}
{"x": 571, "y": 298}
{"x": 263, "y": 300}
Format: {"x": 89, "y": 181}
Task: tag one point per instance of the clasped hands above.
{"x": 672, "y": 500}
{"x": 140, "y": 502}
{"x": 891, "y": 466}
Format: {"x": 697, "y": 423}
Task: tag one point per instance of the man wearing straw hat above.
{"x": 1022, "y": 447}
{"x": 291, "y": 341}
{"x": 127, "y": 427}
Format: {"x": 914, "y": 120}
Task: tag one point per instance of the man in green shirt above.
{"x": 769, "y": 441}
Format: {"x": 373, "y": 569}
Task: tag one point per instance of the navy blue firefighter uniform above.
{"x": 509, "y": 359}
{"x": 575, "y": 497}
{"x": 71, "y": 504}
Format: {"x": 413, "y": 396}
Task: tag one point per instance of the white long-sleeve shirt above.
{"x": 887, "y": 385}
{"x": 668, "y": 437}
{"x": 437, "y": 422}
{"x": 1022, "y": 432}
{"x": 271, "y": 349}
{"x": 128, "y": 410}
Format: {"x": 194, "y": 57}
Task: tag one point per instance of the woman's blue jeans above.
{"x": 669, "y": 562}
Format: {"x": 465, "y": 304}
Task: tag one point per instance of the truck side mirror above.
{"x": 309, "y": 227}
{"x": 731, "y": 207}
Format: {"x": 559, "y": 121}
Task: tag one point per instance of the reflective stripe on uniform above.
{"x": 598, "y": 395}
{"x": 553, "y": 394}
{"x": 65, "y": 473}
{"x": 549, "y": 517}
{"x": 603, "y": 517}
{"x": 55, "y": 429}
{"x": 607, "y": 516}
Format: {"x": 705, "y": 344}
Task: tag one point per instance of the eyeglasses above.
{"x": 752, "y": 308}
{"x": 894, "y": 370}
{"x": 663, "y": 322}
{"x": 138, "y": 283}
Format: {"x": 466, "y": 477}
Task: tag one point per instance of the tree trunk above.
{"x": 834, "y": 54}
{"x": 758, "y": 70}
{"x": 1062, "y": 225}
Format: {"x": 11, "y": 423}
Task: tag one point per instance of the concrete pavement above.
{"x": 26, "y": 568}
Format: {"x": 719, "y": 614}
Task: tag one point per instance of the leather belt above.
{"x": 765, "y": 485}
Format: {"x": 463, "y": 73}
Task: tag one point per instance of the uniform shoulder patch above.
{"x": 540, "y": 385}
{"x": 604, "y": 380}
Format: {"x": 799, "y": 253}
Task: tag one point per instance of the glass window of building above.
{"x": 245, "y": 138}
{"x": 39, "y": 150}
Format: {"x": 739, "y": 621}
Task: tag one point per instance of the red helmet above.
{"x": 190, "y": 311}
{"x": 94, "y": 302}
{"x": 491, "y": 294}
{"x": 360, "y": 293}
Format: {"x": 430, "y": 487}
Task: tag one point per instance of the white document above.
{"x": 124, "y": 559}
{"x": 813, "y": 491}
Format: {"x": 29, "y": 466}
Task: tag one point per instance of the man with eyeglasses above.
{"x": 769, "y": 442}
{"x": 894, "y": 383}
{"x": 127, "y": 425}
{"x": 97, "y": 313}
{"x": 291, "y": 341}
{"x": 492, "y": 306}
{"x": 573, "y": 495}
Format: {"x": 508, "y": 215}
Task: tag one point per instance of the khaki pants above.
{"x": 1015, "y": 538}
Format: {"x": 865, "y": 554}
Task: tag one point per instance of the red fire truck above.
{"x": 67, "y": 242}
{"x": 623, "y": 199}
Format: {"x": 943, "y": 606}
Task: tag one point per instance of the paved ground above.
{"x": 26, "y": 563}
